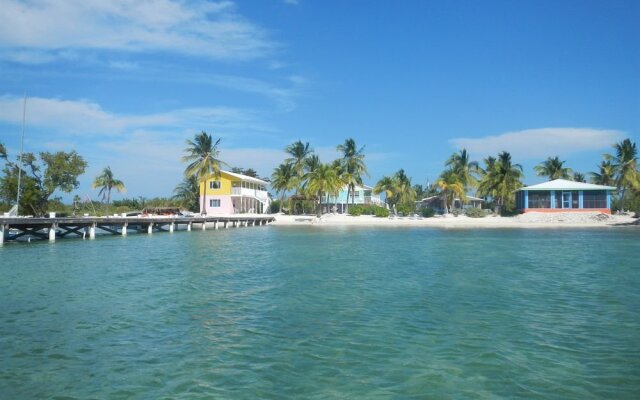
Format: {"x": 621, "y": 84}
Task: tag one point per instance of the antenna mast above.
{"x": 24, "y": 114}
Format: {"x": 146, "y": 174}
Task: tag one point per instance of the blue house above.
{"x": 362, "y": 195}
{"x": 560, "y": 195}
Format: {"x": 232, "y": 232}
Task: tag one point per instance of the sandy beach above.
{"x": 528, "y": 220}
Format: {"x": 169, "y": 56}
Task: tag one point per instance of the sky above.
{"x": 126, "y": 82}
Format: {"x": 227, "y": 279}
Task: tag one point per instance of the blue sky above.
{"x": 125, "y": 82}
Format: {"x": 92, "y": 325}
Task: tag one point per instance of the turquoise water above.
{"x": 275, "y": 312}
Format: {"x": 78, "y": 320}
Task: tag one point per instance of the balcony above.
{"x": 261, "y": 195}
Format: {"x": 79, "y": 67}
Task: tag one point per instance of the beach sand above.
{"x": 528, "y": 220}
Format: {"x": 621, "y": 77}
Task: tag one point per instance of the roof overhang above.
{"x": 563, "y": 184}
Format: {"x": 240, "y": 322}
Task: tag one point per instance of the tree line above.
{"x": 306, "y": 179}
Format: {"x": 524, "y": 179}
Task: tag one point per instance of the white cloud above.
{"x": 539, "y": 143}
{"x": 282, "y": 96}
{"x": 146, "y": 149}
{"x": 263, "y": 160}
{"x": 86, "y": 118}
{"x": 37, "y": 30}
{"x": 151, "y": 166}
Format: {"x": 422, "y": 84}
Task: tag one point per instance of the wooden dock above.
{"x": 14, "y": 228}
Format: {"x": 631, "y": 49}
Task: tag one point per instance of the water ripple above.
{"x": 318, "y": 313}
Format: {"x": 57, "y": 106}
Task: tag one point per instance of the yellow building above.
{"x": 232, "y": 193}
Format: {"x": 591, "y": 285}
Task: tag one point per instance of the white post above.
{"x": 52, "y": 233}
{"x": 124, "y": 229}
{"x": 3, "y": 232}
{"x": 215, "y": 224}
{"x": 92, "y": 231}
{"x": 226, "y": 224}
{"x": 204, "y": 226}
{"x": 189, "y": 226}
{"x": 171, "y": 227}
{"x": 150, "y": 228}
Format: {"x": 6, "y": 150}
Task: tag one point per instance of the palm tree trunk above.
{"x": 108, "y": 199}
{"x": 346, "y": 202}
{"x": 202, "y": 209}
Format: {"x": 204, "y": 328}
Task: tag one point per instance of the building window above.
{"x": 594, "y": 199}
{"x": 575, "y": 199}
{"x": 356, "y": 194}
{"x": 539, "y": 200}
{"x": 214, "y": 184}
{"x": 558, "y": 199}
{"x": 520, "y": 200}
{"x": 214, "y": 202}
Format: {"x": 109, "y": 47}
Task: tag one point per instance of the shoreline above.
{"x": 529, "y": 220}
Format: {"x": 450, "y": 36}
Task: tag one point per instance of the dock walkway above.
{"x": 14, "y": 228}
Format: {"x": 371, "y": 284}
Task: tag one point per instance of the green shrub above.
{"x": 381, "y": 212}
{"x": 509, "y": 212}
{"x": 367, "y": 209}
{"x": 405, "y": 209}
{"x": 274, "y": 207}
{"x": 428, "y": 212}
{"x": 356, "y": 210}
{"x": 457, "y": 211}
{"x": 475, "y": 213}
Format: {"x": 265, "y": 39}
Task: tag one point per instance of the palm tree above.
{"x": 509, "y": 179}
{"x": 553, "y": 168}
{"x": 311, "y": 163}
{"x": 106, "y": 182}
{"x": 625, "y": 162}
{"x": 466, "y": 170}
{"x": 451, "y": 187}
{"x": 202, "y": 156}
{"x": 322, "y": 180}
{"x": 343, "y": 179}
{"x": 606, "y": 175}
{"x": 397, "y": 189}
{"x": 299, "y": 152}
{"x": 186, "y": 193}
{"x": 579, "y": 177}
{"x": 353, "y": 167}
{"x": 404, "y": 192}
{"x": 283, "y": 180}
{"x": 485, "y": 185}
{"x": 501, "y": 179}
{"x": 386, "y": 185}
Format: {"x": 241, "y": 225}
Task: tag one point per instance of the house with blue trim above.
{"x": 561, "y": 195}
{"x": 363, "y": 194}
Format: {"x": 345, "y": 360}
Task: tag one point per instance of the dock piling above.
{"x": 52, "y": 233}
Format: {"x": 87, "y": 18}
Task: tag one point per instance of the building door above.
{"x": 566, "y": 199}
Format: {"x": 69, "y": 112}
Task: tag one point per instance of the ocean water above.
{"x": 316, "y": 313}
